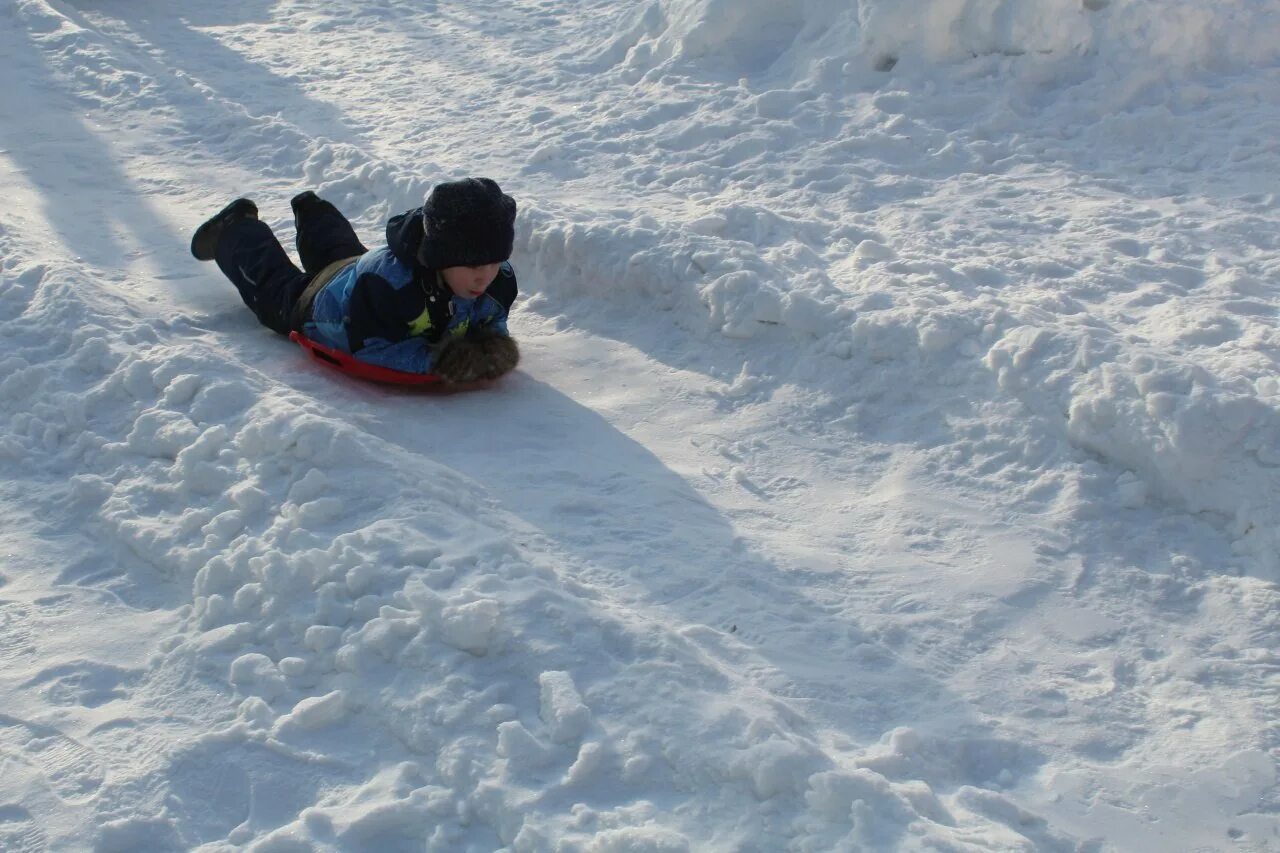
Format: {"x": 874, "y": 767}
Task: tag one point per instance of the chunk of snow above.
{"x": 471, "y": 627}
{"x": 562, "y": 709}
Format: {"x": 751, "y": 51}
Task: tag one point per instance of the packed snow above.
{"x": 894, "y": 463}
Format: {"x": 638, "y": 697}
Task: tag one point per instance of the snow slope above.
{"x": 894, "y": 464}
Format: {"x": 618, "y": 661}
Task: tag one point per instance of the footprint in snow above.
{"x": 19, "y": 832}
{"x": 15, "y": 634}
{"x": 74, "y": 772}
{"x": 83, "y": 682}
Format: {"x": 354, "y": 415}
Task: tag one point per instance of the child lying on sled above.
{"x": 434, "y": 300}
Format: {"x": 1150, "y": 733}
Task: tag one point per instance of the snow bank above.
{"x": 752, "y": 37}
{"x": 1189, "y": 438}
{"x": 848, "y": 257}
{"x": 1200, "y": 439}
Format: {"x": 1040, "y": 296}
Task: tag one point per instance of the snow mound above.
{"x": 1177, "y": 432}
{"x": 753, "y": 36}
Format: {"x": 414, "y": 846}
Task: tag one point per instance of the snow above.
{"x": 894, "y": 463}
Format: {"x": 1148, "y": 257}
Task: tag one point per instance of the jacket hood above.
{"x": 404, "y": 236}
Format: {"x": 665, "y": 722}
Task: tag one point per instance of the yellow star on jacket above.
{"x": 420, "y": 324}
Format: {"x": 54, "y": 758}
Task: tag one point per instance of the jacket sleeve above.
{"x": 382, "y": 328}
{"x": 411, "y": 355}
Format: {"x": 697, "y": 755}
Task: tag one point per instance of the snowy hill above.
{"x": 894, "y": 464}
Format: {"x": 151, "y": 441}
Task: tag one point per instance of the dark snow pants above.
{"x": 249, "y": 254}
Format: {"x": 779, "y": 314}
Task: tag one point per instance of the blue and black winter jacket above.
{"x": 385, "y": 308}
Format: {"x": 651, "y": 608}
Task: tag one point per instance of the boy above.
{"x": 435, "y": 299}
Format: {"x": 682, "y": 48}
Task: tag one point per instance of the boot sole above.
{"x": 204, "y": 243}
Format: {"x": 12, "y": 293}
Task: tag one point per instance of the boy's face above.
{"x": 469, "y": 282}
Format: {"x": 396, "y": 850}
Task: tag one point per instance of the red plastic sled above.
{"x": 345, "y": 362}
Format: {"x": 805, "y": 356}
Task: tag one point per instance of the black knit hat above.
{"x": 467, "y": 223}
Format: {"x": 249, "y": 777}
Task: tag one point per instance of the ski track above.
{"x": 802, "y": 526}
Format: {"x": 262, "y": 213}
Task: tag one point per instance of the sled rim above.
{"x": 346, "y": 363}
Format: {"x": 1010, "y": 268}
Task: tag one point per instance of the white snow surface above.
{"x": 894, "y": 463}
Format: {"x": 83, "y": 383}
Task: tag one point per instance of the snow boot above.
{"x": 304, "y": 200}
{"x": 323, "y": 234}
{"x": 204, "y": 243}
{"x": 477, "y": 358}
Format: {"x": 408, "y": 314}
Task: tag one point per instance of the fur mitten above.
{"x": 477, "y": 358}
